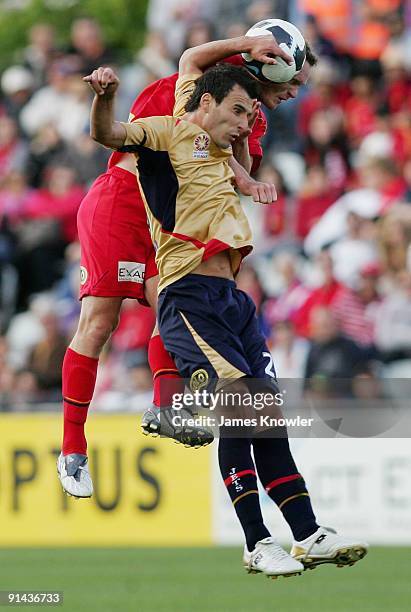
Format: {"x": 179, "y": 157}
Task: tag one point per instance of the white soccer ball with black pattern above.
{"x": 289, "y": 39}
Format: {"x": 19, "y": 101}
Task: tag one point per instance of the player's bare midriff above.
{"x": 218, "y": 265}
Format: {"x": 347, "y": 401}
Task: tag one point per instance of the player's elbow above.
{"x": 102, "y": 137}
{"x": 94, "y": 135}
{"x": 186, "y": 64}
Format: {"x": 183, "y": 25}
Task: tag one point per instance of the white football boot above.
{"x": 326, "y": 546}
{"x": 270, "y": 559}
{"x": 74, "y": 475}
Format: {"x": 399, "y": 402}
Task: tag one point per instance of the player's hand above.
{"x": 262, "y": 48}
{"x": 263, "y": 193}
{"x": 103, "y": 81}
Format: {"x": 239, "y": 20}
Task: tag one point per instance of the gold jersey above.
{"x": 186, "y": 182}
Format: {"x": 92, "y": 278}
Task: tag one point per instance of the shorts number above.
{"x": 269, "y": 370}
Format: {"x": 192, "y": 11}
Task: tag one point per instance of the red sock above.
{"x": 79, "y": 378}
{"x": 166, "y": 379}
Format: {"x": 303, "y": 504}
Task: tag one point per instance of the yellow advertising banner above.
{"x": 146, "y": 491}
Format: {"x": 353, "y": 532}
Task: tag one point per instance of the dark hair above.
{"x": 219, "y": 81}
{"x": 310, "y": 56}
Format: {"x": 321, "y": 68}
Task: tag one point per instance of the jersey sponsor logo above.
{"x": 131, "y": 272}
{"x": 83, "y": 275}
{"x": 201, "y": 145}
{"x": 198, "y": 380}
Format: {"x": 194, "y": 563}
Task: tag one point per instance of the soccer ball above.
{"x": 290, "y": 40}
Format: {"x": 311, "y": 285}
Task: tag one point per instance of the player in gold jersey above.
{"x": 209, "y": 326}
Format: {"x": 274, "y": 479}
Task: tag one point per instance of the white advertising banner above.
{"x": 360, "y": 487}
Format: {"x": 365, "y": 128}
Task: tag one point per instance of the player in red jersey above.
{"x": 118, "y": 257}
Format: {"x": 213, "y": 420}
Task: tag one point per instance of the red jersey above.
{"x": 157, "y": 100}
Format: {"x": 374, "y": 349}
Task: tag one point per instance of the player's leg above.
{"x": 239, "y": 475}
{"x": 261, "y": 552}
{"x": 313, "y": 545}
{"x": 112, "y": 268}
{"x": 166, "y": 383}
{"x": 98, "y": 319}
{"x": 198, "y": 320}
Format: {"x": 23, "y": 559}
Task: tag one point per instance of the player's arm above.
{"x": 151, "y": 132}
{"x": 241, "y": 163}
{"x": 264, "y": 193}
{"x": 261, "y": 48}
{"x": 104, "y": 82}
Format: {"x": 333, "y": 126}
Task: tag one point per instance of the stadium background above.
{"x": 333, "y": 260}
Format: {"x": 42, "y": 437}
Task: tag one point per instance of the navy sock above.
{"x": 283, "y": 483}
{"x": 238, "y": 472}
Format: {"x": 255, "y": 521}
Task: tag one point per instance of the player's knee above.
{"x": 97, "y": 329}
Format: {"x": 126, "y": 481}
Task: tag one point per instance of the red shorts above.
{"x": 117, "y": 254}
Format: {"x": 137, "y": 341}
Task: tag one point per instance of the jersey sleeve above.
{"x": 152, "y": 132}
{"x": 184, "y": 88}
{"x": 155, "y": 100}
{"x": 254, "y": 141}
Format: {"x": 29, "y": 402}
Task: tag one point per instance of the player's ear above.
{"x": 205, "y": 102}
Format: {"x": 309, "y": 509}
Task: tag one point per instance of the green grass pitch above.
{"x": 203, "y": 580}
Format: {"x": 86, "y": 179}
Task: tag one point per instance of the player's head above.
{"x": 223, "y": 101}
{"x": 272, "y": 94}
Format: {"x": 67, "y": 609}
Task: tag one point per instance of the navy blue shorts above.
{"x": 211, "y": 330}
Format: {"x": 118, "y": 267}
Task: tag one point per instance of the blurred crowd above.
{"x": 331, "y": 272}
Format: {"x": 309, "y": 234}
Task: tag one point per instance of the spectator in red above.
{"x": 292, "y": 292}
{"x": 274, "y": 216}
{"x": 383, "y": 175}
{"x": 396, "y": 80}
{"x": 325, "y": 94}
{"x": 389, "y": 140}
{"x": 135, "y": 327}
{"x": 60, "y": 199}
{"x": 14, "y": 197}
{"x": 324, "y": 295}
{"x": 360, "y": 109}
{"x": 316, "y": 195}
{"x": 327, "y": 145}
{"x": 355, "y": 308}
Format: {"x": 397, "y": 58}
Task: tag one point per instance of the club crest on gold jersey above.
{"x": 201, "y": 146}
